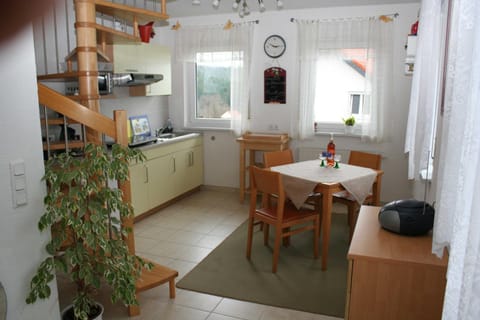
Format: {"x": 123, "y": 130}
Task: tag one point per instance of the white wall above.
{"x": 221, "y": 154}
{"x": 21, "y": 244}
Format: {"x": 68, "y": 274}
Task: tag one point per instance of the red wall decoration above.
{"x": 275, "y": 79}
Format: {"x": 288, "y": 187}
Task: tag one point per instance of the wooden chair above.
{"x": 277, "y": 158}
{"x": 281, "y": 214}
{"x": 361, "y": 159}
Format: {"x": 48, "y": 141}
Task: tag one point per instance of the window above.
{"x": 212, "y": 84}
{"x": 356, "y": 103}
{"x": 340, "y": 88}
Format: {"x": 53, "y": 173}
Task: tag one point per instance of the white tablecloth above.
{"x": 301, "y": 178}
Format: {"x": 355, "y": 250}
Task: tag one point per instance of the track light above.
{"x": 242, "y": 6}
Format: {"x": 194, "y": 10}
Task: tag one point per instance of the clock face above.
{"x": 274, "y": 46}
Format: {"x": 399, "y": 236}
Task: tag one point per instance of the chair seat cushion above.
{"x": 290, "y": 212}
{"x": 348, "y": 196}
{"x": 344, "y": 194}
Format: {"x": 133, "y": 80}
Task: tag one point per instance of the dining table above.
{"x": 302, "y": 178}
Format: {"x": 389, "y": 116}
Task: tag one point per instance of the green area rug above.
{"x": 299, "y": 283}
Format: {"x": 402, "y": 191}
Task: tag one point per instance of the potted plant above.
{"x": 88, "y": 238}
{"x": 349, "y": 123}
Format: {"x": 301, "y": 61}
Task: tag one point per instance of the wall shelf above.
{"x": 60, "y": 77}
{"x": 129, "y": 13}
{"x": 110, "y": 36}
{"x": 60, "y": 145}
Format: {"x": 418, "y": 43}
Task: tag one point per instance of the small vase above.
{"x": 349, "y": 130}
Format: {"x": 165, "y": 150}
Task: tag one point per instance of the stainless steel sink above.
{"x": 172, "y": 135}
{"x": 167, "y": 136}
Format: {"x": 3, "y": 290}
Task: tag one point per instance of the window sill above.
{"x": 208, "y": 129}
{"x": 338, "y": 134}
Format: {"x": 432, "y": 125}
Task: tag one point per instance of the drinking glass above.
{"x": 322, "y": 156}
{"x": 337, "y": 158}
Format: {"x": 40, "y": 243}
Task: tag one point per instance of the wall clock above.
{"x": 274, "y": 46}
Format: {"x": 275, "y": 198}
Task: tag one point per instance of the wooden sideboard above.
{"x": 392, "y": 276}
{"x": 257, "y": 142}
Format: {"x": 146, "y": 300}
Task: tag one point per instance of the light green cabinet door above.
{"x": 161, "y": 174}
{"x": 194, "y": 169}
{"x": 139, "y": 188}
{"x": 126, "y": 59}
{"x": 161, "y": 58}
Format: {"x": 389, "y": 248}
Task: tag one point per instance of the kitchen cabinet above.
{"x": 139, "y": 186}
{"x": 170, "y": 170}
{"x": 145, "y": 58}
{"x": 392, "y": 276}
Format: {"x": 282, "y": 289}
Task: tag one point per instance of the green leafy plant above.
{"x": 88, "y": 238}
{"x": 350, "y": 121}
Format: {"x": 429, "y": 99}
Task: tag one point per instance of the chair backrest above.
{"x": 277, "y": 158}
{"x": 365, "y": 159}
{"x": 267, "y": 183}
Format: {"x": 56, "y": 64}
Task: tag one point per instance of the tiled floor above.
{"x": 179, "y": 237}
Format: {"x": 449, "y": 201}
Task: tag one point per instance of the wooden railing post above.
{"x": 120, "y": 118}
{"x": 85, "y": 15}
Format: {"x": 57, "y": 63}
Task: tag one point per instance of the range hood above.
{"x": 134, "y": 79}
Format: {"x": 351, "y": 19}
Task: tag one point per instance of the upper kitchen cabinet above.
{"x": 145, "y": 59}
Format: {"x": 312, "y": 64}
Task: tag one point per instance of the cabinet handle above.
{"x": 191, "y": 159}
{"x": 174, "y": 165}
{"x": 146, "y": 174}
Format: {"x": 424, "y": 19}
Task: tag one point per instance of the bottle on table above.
{"x": 331, "y": 152}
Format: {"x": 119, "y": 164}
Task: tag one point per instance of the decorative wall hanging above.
{"x": 275, "y": 80}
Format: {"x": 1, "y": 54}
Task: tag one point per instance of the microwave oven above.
{"x": 105, "y": 85}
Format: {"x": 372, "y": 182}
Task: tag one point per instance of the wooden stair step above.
{"x": 152, "y": 278}
{"x": 157, "y": 276}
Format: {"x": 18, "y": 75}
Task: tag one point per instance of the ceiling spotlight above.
{"x": 235, "y": 4}
{"x": 261, "y": 5}
{"x": 215, "y": 3}
{"x": 279, "y": 4}
{"x": 196, "y": 2}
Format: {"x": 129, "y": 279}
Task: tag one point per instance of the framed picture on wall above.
{"x": 275, "y": 85}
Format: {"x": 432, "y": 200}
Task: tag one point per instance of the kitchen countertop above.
{"x": 179, "y": 136}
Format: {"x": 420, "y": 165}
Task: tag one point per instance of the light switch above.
{"x": 18, "y": 167}
{"x": 18, "y": 182}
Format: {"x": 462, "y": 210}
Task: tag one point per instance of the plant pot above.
{"x": 349, "y": 130}
{"x": 146, "y": 32}
{"x": 67, "y": 313}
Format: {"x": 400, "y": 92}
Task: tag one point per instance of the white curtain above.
{"x": 239, "y": 38}
{"x": 457, "y": 220}
{"x": 322, "y": 37}
{"x": 426, "y": 87}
